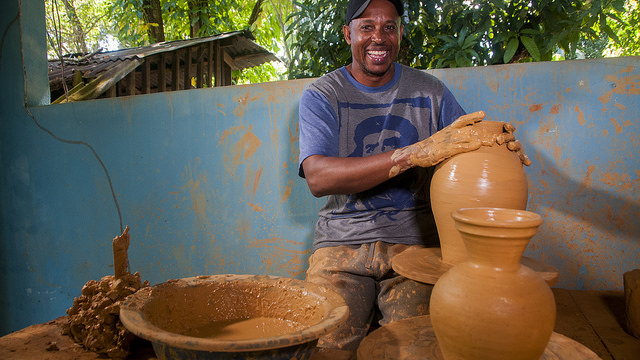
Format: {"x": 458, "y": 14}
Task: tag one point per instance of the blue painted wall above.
{"x": 206, "y": 179}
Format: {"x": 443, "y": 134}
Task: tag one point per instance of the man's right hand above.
{"x": 454, "y": 139}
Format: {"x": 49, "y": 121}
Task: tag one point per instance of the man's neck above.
{"x": 371, "y": 80}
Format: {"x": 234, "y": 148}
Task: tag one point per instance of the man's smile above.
{"x": 378, "y": 55}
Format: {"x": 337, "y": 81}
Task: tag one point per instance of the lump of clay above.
{"x": 94, "y": 320}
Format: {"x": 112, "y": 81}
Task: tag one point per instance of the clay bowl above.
{"x": 185, "y": 318}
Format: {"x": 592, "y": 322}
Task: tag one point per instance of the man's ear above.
{"x": 346, "y": 30}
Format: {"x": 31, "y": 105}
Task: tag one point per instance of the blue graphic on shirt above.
{"x": 376, "y": 135}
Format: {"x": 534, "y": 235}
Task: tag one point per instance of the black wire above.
{"x": 72, "y": 142}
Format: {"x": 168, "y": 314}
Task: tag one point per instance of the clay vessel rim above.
{"x": 133, "y": 318}
{"x": 497, "y": 217}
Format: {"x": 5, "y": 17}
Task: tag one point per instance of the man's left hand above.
{"x": 513, "y": 144}
{"x": 507, "y": 136}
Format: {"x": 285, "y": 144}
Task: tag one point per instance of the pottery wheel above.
{"x": 414, "y": 339}
{"x": 426, "y": 266}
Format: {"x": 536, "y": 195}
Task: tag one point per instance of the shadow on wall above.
{"x": 584, "y": 224}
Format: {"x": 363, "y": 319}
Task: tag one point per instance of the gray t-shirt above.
{"x": 341, "y": 117}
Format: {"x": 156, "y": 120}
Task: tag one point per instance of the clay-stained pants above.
{"x": 363, "y": 276}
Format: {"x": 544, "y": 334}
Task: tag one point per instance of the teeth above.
{"x": 377, "y": 53}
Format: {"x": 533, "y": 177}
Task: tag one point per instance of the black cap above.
{"x": 357, "y": 7}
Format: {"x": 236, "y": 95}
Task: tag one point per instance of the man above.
{"x": 370, "y": 134}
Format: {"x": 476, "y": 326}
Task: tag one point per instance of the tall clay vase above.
{"x": 490, "y": 306}
{"x": 492, "y": 176}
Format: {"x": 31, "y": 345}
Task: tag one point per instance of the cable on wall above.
{"x": 26, "y": 108}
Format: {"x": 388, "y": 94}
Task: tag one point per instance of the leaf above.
{"x": 531, "y": 47}
{"x": 448, "y": 39}
{"x": 470, "y": 41}
{"x": 473, "y": 53}
{"x": 529, "y": 31}
{"x": 512, "y": 46}
{"x": 607, "y": 29}
{"x": 461, "y": 60}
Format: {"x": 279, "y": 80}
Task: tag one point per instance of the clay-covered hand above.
{"x": 454, "y": 139}
{"x": 513, "y": 144}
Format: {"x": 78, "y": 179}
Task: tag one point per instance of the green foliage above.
{"x": 123, "y": 20}
{"x": 627, "y": 30}
{"x": 317, "y": 39}
{"x": 448, "y": 33}
{"x": 126, "y": 22}
{"x": 458, "y": 50}
{"x": 307, "y": 34}
{"x": 60, "y": 31}
{"x": 217, "y": 17}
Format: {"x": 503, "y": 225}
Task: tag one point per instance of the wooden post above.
{"x": 632, "y": 301}
{"x": 199, "y": 67}
{"x": 145, "y": 88}
{"x": 187, "y": 67}
{"x": 219, "y": 59}
{"x": 162, "y": 73}
{"x": 111, "y": 92}
{"x": 210, "y": 63}
{"x": 175, "y": 71}
{"x": 227, "y": 72}
{"x": 131, "y": 84}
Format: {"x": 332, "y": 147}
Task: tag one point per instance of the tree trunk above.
{"x": 197, "y": 10}
{"x": 153, "y": 19}
{"x": 255, "y": 13}
{"x": 78, "y": 30}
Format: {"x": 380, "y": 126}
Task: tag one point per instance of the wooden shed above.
{"x": 166, "y": 66}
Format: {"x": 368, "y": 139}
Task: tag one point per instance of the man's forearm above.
{"x": 337, "y": 175}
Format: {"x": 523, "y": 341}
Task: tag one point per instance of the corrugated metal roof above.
{"x": 239, "y": 45}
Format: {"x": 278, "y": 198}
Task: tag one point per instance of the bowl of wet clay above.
{"x": 233, "y": 317}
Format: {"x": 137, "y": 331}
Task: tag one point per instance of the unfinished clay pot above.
{"x": 492, "y": 176}
{"x": 233, "y": 317}
{"x": 491, "y": 306}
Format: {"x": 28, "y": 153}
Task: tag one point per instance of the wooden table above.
{"x": 592, "y": 318}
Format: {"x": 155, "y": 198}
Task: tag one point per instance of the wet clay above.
{"x": 491, "y": 306}
{"x": 456, "y": 138}
{"x": 94, "y": 317}
{"x": 120, "y": 245}
{"x": 414, "y": 339}
{"x": 426, "y": 266}
{"x": 243, "y": 329}
{"x": 232, "y": 313}
{"x": 491, "y": 176}
{"x": 177, "y": 307}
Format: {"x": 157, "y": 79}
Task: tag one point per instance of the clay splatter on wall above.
{"x": 281, "y": 256}
{"x": 578, "y": 121}
{"x": 586, "y": 197}
{"x": 242, "y": 150}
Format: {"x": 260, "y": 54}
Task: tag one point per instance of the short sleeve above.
{"x": 450, "y": 109}
{"x": 318, "y": 127}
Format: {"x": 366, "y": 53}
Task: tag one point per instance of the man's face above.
{"x": 375, "y": 39}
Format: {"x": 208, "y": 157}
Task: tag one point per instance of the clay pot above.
{"x": 491, "y": 306}
{"x": 190, "y": 318}
{"x": 492, "y": 176}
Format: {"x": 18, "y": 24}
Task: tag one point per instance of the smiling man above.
{"x": 375, "y": 41}
{"x": 370, "y": 134}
